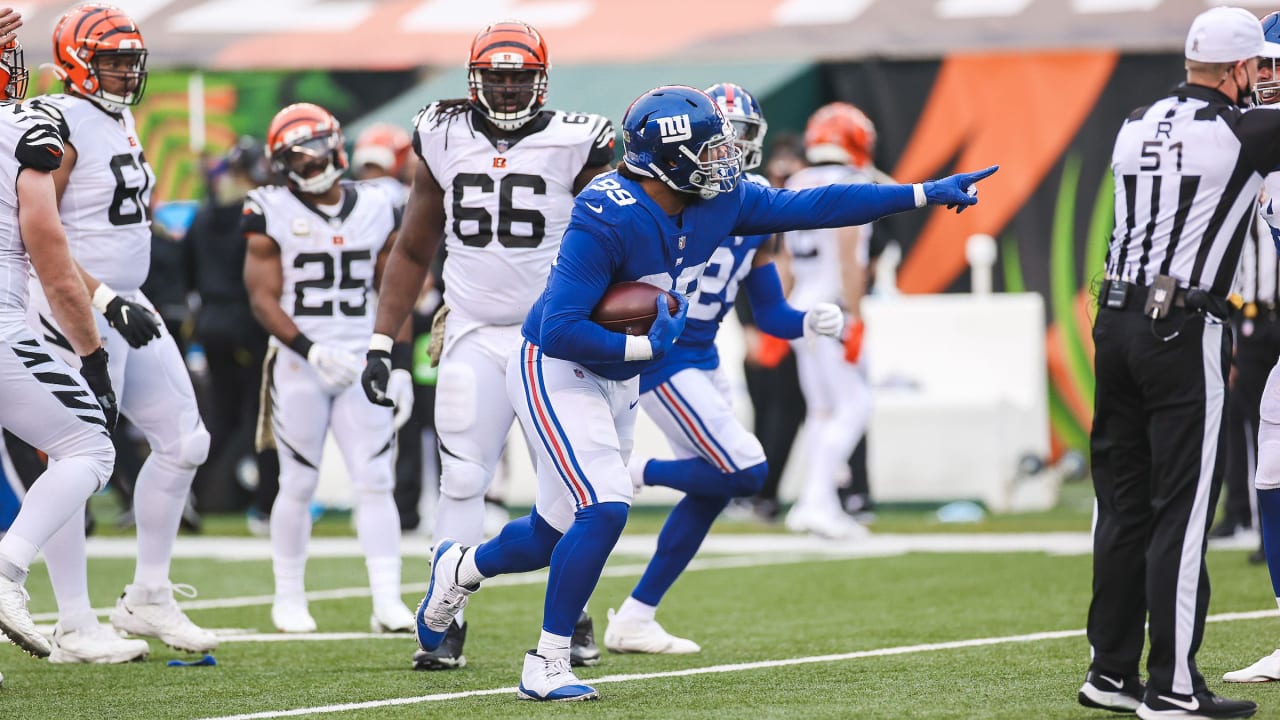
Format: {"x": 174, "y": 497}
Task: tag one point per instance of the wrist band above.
{"x": 921, "y": 200}
{"x": 301, "y": 344}
{"x": 103, "y": 297}
{"x": 382, "y": 343}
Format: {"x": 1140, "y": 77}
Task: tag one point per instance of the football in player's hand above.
{"x": 630, "y": 307}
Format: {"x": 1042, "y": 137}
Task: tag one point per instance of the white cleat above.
{"x": 629, "y": 635}
{"x": 98, "y": 644}
{"x": 16, "y": 622}
{"x": 832, "y": 525}
{"x": 445, "y": 598}
{"x": 552, "y": 680}
{"x": 1265, "y": 670}
{"x": 150, "y": 610}
{"x": 290, "y": 615}
{"x": 392, "y": 618}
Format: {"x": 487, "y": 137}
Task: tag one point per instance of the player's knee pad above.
{"x": 98, "y": 458}
{"x": 462, "y": 479}
{"x": 455, "y": 398}
{"x": 744, "y": 483}
{"x": 194, "y": 447}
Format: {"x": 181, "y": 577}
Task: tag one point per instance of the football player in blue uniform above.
{"x": 687, "y": 395}
{"x": 657, "y": 219}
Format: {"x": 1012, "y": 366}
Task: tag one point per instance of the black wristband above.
{"x": 402, "y": 356}
{"x": 301, "y": 344}
{"x": 97, "y": 357}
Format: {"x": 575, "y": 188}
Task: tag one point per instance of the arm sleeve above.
{"x": 601, "y": 152}
{"x": 40, "y": 148}
{"x": 582, "y": 272}
{"x": 252, "y": 220}
{"x": 772, "y": 313}
{"x": 769, "y": 210}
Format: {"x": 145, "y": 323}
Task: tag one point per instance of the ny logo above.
{"x": 674, "y": 129}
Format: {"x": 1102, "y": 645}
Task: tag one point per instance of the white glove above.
{"x": 400, "y": 391}
{"x": 336, "y": 367}
{"x": 824, "y": 319}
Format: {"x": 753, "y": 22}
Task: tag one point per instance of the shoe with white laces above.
{"x": 632, "y": 635}
{"x": 552, "y": 680}
{"x": 1265, "y": 670}
{"x": 290, "y": 615}
{"x": 445, "y": 597}
{"x": 16, "y": 622}
{"x": 832, "y": 525}
{"x": 150, "y": 610}
{"x": 393, "y": 617}
{"x": 96, "y": 643}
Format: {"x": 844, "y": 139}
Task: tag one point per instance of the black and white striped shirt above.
{"x": 1187, "y": 172}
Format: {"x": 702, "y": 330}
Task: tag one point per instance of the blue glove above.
{"x": 957, "y": 191}
{"x": 667, "y": 327}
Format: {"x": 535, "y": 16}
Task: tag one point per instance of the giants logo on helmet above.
{"x": 674, "y": 129}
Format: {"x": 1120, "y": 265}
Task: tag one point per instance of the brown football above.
{"x": 630, "y": 307}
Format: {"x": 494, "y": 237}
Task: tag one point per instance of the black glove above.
{"x": 135, "y": 322}
{"x": 93, "y": 367}
{"x": 376, "y": 375}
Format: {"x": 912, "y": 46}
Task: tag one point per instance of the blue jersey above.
{"x": 617, "y": 233}
{"x": 716, "y": 293}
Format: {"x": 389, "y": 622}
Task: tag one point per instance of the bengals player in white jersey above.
{"x": 104, "y": 188}
{"x": 45, "y": 403}
{"x": 496, "y": 175}
{"x": 829, "y": 266}
{"x": 315, "y": 250}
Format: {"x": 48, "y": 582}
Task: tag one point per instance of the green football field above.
{"x": 920, "y": 621}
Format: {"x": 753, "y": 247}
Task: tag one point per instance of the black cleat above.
{"x": 1203, "y": 704}
{"x": 583, "y": 651}
{"x": 1111, "y": 692}
{"x": 446, "y": 657}
{"x": 1258, "y": 557}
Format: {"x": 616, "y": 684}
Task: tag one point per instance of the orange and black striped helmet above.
{"x": 13, "y": 72}
{"x": 384, "y": 145}
{"x": 99, "y": 54}
{"x": 507, "y": 73}
{"x": 840, "y": 132}
{"x": 304, "y": 142}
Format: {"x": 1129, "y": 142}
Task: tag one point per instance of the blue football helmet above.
{"x": 746, "y": 117}
{"x": 1267, "y": 91}
{"x": 678, "y": 135}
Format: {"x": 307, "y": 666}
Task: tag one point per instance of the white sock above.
{"x": 58, "y": 494}
{"x": 633, "y": 609}
{"x": 468, "y": 573}
{"x": 384, "y": 580}
{"x": 290, "y": 574}
{"x": 462, "y": 520}
{"x": 159, "y": 498}
{"x": 67, "y": 562}
{"x": 553, "y": 647}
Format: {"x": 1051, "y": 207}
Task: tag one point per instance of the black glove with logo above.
{"x": 93, "y": 367}
{"x": 135, "y": 322}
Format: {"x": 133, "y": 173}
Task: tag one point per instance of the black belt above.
{"x": 1194, "y": 300}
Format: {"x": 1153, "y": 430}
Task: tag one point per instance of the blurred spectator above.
{"x": 234, "y": 344}
{"x": 381, "y": 158}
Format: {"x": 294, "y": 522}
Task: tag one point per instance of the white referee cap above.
{"x": 1225, "y": 34}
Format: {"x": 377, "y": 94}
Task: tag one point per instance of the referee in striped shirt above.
{"x": 1187, "y": 172}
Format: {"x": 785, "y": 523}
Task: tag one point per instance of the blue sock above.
{"x": 695, "y": 476}
{"x": 1269, "y": 520}
{"x": 681, "y": 536}
{"x": 524, "y": 544}
{"x": 577, "y": 562}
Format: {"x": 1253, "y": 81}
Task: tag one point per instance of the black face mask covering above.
{"x": 1244, "y": 98}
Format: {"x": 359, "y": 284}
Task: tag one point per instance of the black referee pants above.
{"x": 1157, "y": 451}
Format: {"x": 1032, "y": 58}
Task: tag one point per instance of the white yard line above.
{"x": 711, "y": 669}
